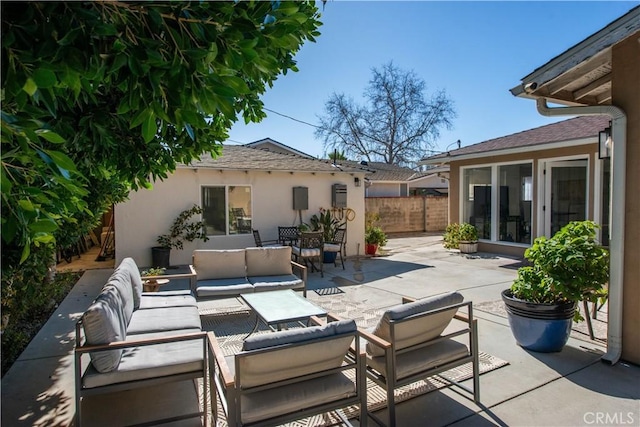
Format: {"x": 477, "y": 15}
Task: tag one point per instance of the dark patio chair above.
{"x": 288, "y": 235}
{"x": 337, "y": 245}
{"x": 308, "y": 249}
{"x": 260, "y": 243}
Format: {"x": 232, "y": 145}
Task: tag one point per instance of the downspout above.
{"x": 616, "y": 213}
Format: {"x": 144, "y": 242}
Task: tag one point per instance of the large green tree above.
{"x": 102, "y": 97}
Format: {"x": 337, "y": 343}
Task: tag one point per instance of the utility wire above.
{"x": 293, "y": 118}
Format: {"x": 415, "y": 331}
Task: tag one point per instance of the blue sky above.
{"x": 475, "y": 51}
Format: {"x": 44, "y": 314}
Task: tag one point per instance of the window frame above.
{"x": 495, "y": 195}
{"x": 226, "y": 208}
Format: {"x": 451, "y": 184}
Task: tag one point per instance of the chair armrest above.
{"x": 333, "y": 317}
{"x": 218, "y": 355}
{"x": 302, "y": 275}
{"x": 316, "y": 321}
{"x": 374, "y": 339}
{"x": 140, "y": 342}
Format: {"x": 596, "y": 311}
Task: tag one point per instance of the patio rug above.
{"x": 232, "y": 328}
{"x": 578, "y": 330}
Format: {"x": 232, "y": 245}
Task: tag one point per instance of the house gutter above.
{"x": 616, "y": 213}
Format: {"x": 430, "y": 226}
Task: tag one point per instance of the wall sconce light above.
{"x": 356, "y": 181}
{"x": 605, "y": 142}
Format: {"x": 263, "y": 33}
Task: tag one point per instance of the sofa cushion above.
{"x": 129, "y": 265}
{"x": 103, "y": 323}
{"x": 324, "y": 348}
{"x": 158, "y": 300}
{"x": 151, "y": 361}
{"x": 422, "y": 359}
{"x": 219, "y": 264}
{"x": 121, "y": 280}
{"x": 418, "y": 330}
{"x": 295, "y": 397}
{"x": 273, "y": 283}
{"x": 268, "y": 261}
{"x": 223, "y": 287}
{"x": 164, "y": 319}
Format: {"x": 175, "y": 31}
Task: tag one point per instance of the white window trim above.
{"x": 226, "y": 207}
{"x": 495, "y": 220}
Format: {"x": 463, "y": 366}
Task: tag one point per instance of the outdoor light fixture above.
{"x": 356, "y": 181}
{"x": 605, "y": 143}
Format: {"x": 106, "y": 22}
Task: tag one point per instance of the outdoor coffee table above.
{"x": 276, "y": 308}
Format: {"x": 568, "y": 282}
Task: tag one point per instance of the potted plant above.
{"x": 151, "y": 285}
{"x": 183, "y": 229}
{"x": 462, "y": 236}
{"x": 326, "y": 222}
{"x": 374, "y": 237}
{"x": 568, "y": 268}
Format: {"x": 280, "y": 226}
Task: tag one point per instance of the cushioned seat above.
{"x": 224, "y": 273}
{"x": 289, "y": 375}
{"x": 167, "y": 299}
{"x": 154, "y": 361}
{"x": 409, "y": 344}
{"x": 273, "y": 283}
{"x": 136, "y": 339}
{"x": 166, "y": 319}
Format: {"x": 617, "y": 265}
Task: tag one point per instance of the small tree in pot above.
{"x": 183, "y": 229}
{"x": 462, "y": 236}
{"x": 568, "y": 268}
{"x": 374, "y": 237}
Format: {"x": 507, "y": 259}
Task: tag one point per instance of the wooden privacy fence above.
{"x": 410, "y": 214}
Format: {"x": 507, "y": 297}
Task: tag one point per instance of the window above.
{"x": 516, "y": 184}
{"x": 499, "y": 196}
{"x": 227, "y": 210}
{"x": 476, "y": 207}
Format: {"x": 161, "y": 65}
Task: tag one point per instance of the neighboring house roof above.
{"x": 582, "y": 74}
{"x": 239, "y": 157}
{"x": 383, "y": 172}
{"x": 273, "y": 145}
{"x": 439, "y": 171}
{"x": 576, "y": 129}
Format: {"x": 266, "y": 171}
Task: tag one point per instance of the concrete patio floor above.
{"x": 569, "y": 388}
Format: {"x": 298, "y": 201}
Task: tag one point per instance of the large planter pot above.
{"x": 468, "y": 247}
{"x": 540, "y": 327}
{"x": 160, "y": 257}
{"x": 329, "y": 257}
{"x": 370, "y": 248}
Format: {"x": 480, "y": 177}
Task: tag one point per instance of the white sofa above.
{"x": 225, "y": 273}
{"x": 134, "y": 339}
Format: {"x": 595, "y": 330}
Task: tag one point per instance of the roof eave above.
{"x": 510, "y": 151}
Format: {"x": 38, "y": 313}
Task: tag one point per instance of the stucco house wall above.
{"x": 382, "y": 189}
{"x": 626, "y": 95}
{"x": 149, "y": 213}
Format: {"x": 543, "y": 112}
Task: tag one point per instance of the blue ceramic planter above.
{"x": 329, "y": 257}
{"x": 543, "y": 328}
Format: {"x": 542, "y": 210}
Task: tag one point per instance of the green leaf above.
{"x": 26, "y": 205}
{"x": 26, "y": 251}
{"x": 149, "y": 128}
{"x": 62, "y": 161}
{"x": 30, "y": 87}
{"x": 43, "y": 226}
{"x": 44, "y": 78}
{"x": 50, "y": 136}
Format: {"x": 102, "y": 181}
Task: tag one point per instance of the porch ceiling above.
{"x": 582, "y": 74}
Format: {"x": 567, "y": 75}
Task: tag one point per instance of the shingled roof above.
{"x": 383, "y": 171}
{"x": 243, "y": 158}
{"x": 568, "y": 130}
